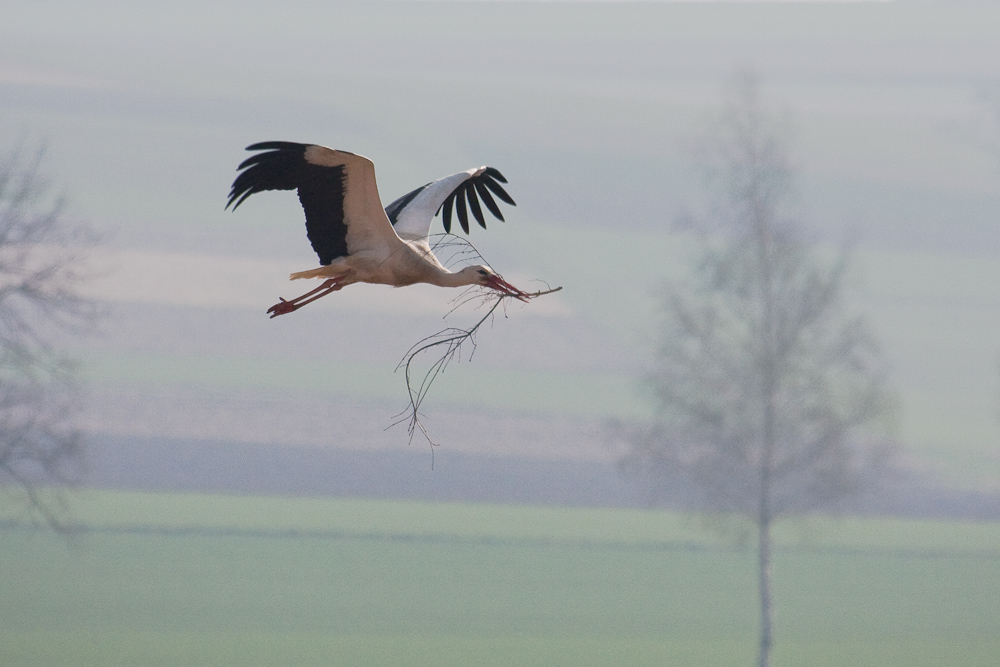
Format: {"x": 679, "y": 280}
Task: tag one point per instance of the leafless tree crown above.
{"x": 40, "y": 305}
{"x": 765, "y": 384}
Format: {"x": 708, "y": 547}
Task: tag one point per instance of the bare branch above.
{"x": 449, "y": 344}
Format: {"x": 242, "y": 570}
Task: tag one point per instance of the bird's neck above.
{"x": 445, "y": 278}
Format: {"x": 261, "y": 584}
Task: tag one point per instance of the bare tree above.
{"x": 40, "y": 272}
{"x": 765, "y": 385}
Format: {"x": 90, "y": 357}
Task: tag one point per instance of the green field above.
{"x": 161, "y": 579}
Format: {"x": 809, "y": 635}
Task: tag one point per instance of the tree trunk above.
{"x": 770, "y": 377}
{"x": 764, "y": 585}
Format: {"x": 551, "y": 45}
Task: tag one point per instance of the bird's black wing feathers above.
{"x": 276, "y": 170}
{"x": 490, "y": 178}
{"x": 321, "y": 191}
{"x": 487, "y": 198}
{"x": 463, "y": 215}
{"x": 477, "y": 212}
{"x": 447, "y": 213}
{"x": 393, "y": 210}
{"x": 322, "y": 197}
{"x": 480, "y": 185}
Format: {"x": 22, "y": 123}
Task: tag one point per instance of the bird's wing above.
{"x": 412, "y": 213}
{"x": 337, "y": 190}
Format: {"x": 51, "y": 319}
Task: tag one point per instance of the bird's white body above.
{"x": 410, "y": 262}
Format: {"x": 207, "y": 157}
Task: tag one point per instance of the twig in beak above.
{"x": 506, "y": 289}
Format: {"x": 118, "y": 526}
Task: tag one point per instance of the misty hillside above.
{"x": 172, "y": 464}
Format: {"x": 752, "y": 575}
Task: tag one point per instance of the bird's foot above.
{"x": 281, "y": 308}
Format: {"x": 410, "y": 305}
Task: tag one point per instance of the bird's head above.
{"x": 487, "y": 277}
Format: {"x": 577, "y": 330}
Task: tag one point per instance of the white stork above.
{"x": 356, "y": 239}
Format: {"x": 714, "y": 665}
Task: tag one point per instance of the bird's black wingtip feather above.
{"x": 276, "y": 146}
{"x": 477, "y": 211}
{"x": 491, "y": 204}
{"x": 463, "y": 214}
{"x": 446, "y": 213}
{"x": 238, "y": 199}
{"x": 497, "y": 189}
{"x": 495, "y": 173}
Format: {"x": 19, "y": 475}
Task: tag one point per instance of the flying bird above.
{"x": 356, "y": 239}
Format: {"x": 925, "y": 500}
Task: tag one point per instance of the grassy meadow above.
{"x": 173, "y": 579}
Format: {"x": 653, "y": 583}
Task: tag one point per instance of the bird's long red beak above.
{"x": 499, "y": 284}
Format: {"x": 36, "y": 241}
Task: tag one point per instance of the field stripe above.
{"x": 487, "y": 541}
{"x": 93, "y": 510}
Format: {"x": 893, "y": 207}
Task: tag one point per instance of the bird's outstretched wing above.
{"x": 337, "y": 191}
{"x": 412, "y": 213}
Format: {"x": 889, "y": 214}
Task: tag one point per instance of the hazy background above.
{"x": 146, "y": 107}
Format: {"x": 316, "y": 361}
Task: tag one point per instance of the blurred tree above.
{"x": 41, "y": 271}
{"x": 764, "y": 384}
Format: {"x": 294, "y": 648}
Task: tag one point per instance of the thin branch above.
{"x": 451, "y": 340}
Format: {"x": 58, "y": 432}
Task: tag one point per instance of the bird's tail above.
{"x": 321, "y": 272}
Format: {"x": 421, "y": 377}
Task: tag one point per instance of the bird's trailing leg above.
{"x": 282, "y": 307}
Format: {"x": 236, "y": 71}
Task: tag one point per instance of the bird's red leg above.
{"x": 282, "y": 307}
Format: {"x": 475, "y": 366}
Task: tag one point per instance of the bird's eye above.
{"x": 482, "y": 272}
